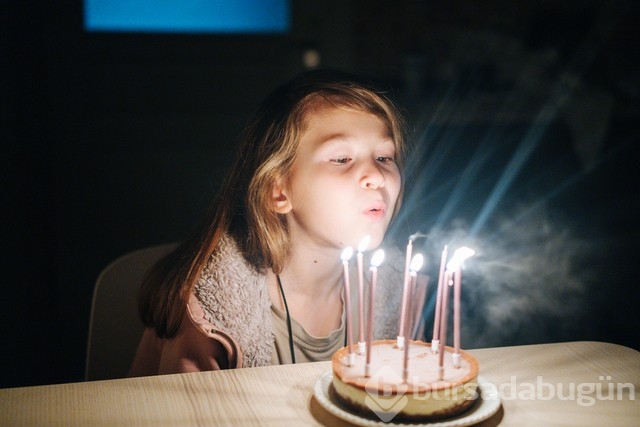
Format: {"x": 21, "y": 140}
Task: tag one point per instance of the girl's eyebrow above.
{"x": 342, "y": 137}
{"x": 334, "y": 138}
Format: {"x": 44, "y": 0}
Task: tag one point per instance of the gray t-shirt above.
{"x": 309, "y": 348}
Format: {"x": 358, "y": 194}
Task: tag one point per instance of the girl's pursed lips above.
{"x": 376, "y": 210}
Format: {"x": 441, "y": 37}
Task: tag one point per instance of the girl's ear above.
{"x": 280, "y": 202}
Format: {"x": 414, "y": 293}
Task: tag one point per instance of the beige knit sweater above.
{"x": 234, "y": 300}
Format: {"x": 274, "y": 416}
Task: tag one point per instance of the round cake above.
{"x": 385, "y": 394}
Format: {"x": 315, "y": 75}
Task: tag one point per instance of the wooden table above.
{"x": 528, "y": 379}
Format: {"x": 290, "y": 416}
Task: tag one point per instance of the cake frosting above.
{"x": 422, "y": 396}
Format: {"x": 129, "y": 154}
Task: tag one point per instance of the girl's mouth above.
{"x": 376, "y": 211}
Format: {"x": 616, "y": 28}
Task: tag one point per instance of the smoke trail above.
{"x": 527, "y": 285}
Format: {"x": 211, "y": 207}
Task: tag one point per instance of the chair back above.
{"x": 115, "y": 328}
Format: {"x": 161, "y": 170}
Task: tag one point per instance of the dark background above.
{"x": 526, "y": 124}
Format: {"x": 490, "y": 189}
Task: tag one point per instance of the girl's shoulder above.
{"x": 234, "y": 299}
{"x": 228, "y": 278}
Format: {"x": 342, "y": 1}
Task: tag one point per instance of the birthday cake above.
{"x": 424, "y": 392}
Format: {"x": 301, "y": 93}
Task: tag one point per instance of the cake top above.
{"x": 387, "y": 367}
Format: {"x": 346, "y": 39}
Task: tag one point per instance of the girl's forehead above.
{"x": 320, "y": 112}
{"x": 332, "y": 128}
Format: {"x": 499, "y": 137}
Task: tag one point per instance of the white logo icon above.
{"x": 384, "y": 397}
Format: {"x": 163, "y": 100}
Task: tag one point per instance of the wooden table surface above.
{"x": 534, "y": 383}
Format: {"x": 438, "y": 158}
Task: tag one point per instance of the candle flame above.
{"x": 416, "y": 263}
{"x": 377, "y": 258}
{"x": 458, "y": 258}
{"x": 364, "y": 243}
{"x": 346, "y": 253}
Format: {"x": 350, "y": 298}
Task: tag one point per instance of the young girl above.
{"x": 261, "y": 282}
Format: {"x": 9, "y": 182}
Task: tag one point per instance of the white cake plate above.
{"x": 488, "y": 404}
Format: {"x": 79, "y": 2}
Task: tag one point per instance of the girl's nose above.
{"x": 372, "y": 177}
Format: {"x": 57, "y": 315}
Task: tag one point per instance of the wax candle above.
{"x": 435, "y": 341}
{"x": 443, "y": 323}
{"x": 359, "y": 259}
{"x": 405, "y": 286}
{"x": 455, "y": 268}
{"x": 456, "y": 317}
{"x": 346, "y": 255}
{"x": 416, "y": 264}
{"x": 376, "y": 260}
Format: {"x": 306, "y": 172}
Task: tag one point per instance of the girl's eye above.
{"x": 341, "y": 160}
{"x": 385, "y": 160}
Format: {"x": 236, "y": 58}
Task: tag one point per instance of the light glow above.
{"x": 459, "y": 256}
{"x": 364, "y": 243}
{"x": 416, "y": 263}
{"x": 377, "y": 258}
{"x": 346, "y": 253}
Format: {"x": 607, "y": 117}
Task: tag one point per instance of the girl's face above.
{"x": 344, "y": 182}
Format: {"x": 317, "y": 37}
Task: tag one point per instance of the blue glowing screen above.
{"x": 187, "y": 16}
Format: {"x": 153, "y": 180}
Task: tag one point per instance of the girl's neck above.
{"x": 313, "y": 272}
{"x": 312, "y": 283}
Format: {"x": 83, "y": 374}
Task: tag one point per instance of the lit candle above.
{"x": 361, "y": 248}
{"x": 376, "y": 260}
{"x": 455, "y": 267}
{"x": 405, "y": 286}
{"x": 346, "y": 255}
{"x": 435, "y": 341}
{"x": 416, "y": 264}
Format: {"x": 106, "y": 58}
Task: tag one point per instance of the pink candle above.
{"x": 346, "y": 255}
{"x": 359, "y": 258}
{"x": 457, "y": 277}
{"x": 376, "y": 260}
{"x": 455, "y": 268}
{"x": 443, "y": 324}
{"x": 435, "y": 341}
{"x": 403, "y": 309}
{"x": 416, "y": 264}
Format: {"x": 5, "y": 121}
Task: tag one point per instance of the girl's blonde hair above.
{"x": 244, "y": 206}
